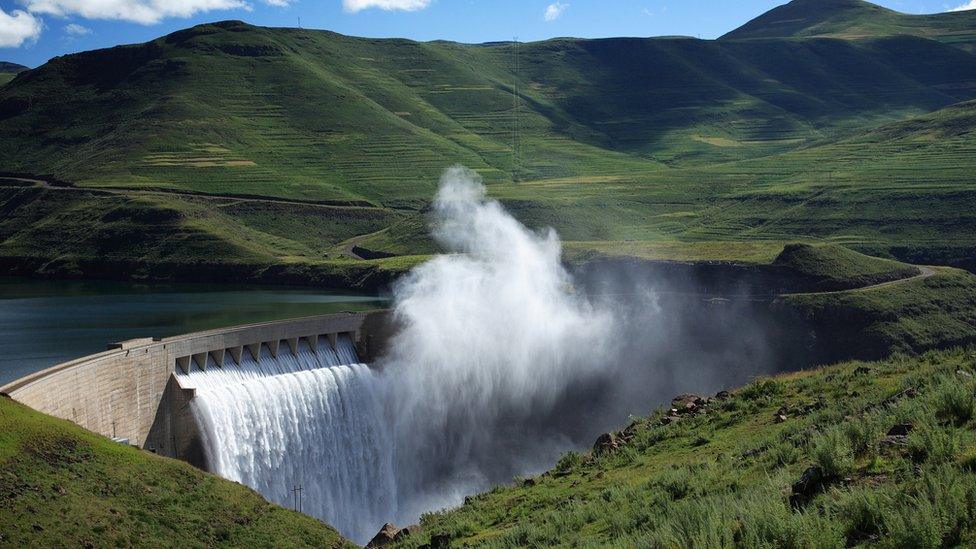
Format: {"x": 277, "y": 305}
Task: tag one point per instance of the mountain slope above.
{"x": 63, "y": 486}
{"x": 857, "y": 19}
{"x": 858, "y": 454}
{"x": 230, "y": 108}
{"x": 9, "y": 70}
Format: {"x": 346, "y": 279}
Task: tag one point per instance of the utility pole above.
{"x": 516, "y": 143}
{"x": 296, "y": 492}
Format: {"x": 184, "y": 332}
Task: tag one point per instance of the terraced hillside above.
{"x": 293, "y": 151}
{"x": 857, "y": 19}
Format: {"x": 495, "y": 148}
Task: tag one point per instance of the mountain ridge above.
{"x": 857, "y": 19}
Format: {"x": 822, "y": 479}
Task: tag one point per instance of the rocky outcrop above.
{"x": 390, "y": 534}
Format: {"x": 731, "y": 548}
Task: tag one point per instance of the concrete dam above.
{"x": 273, "y": 405}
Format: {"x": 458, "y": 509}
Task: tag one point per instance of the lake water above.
{"x": 43, "y": 323}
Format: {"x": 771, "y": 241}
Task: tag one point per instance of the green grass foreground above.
{"x": 62, "y": 486}
{"x": 888, "y": 448}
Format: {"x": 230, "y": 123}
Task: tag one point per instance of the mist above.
{"x": 504, "y": 359}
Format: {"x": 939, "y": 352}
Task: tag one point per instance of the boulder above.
{"x": 810, "y": 484}
{"x": 901, "y": 430}
{"x": 408, "y": 531}
{"x": 606, "y": 443}
{"x": 387, "y": 535}
{"x": 686, "y": 402}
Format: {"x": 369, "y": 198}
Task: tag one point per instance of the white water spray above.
{"x": 486, "y": 378}
{"x": 492, "y": 337}
{"x": 311, "y": 420}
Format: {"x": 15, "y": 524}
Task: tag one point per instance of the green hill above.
{"x": 231, "y": 108}
{"x": 295, "y": 154}
{"x": 9, "y": 70}
{"x": 857, "y": 19}
{"x": 62, "y": 486}
{"x": 853, "y": 455}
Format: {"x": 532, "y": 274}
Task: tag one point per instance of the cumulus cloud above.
{"x": 145, "y": 12}
{"x": 17, "y": 28}
{"x": 74, "y": 29}
{"x": 971, "y": 5}
{"x": 353, "y": 6}
{"x": 553, "y": 11}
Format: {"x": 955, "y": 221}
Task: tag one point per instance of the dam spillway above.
{"x": 309, "y": 419}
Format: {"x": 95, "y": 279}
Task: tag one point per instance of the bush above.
{"x": 761, "y": 388}
{"x": 569, "y": 463}
{"x": 955, "y": 402}
{"x": 933, "y": 444}
{"x": 832, "y": 452}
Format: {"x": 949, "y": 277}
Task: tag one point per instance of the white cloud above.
{"x": 353, "y": 6}
{"x": 74, "y": 29}
{"x": 146, "y": 12}
{"x": 553, "y": 11}
{"x": 971, "y": 5}
{"x": 18, "y": 27}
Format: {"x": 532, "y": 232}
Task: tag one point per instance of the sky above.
{"x": 33, "y": 31}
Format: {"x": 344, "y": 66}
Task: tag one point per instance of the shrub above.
{"x": 832, "y": 452}
{"x": 761, "y": 388}
{"x": 569, "y": 462}
{"x": 955, "y": 402}
{"x": 933, "y": 444}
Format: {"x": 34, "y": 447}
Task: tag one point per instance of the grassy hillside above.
{"x": 857, "y": 19}
{"x": 231, "y": 108}
{"x": 851, "y": 455}
{"x": 834, "y": 268}
{"x": 295, "y": 151}
{"x": 62, "y": 486}
{"x": 9, "y": 70}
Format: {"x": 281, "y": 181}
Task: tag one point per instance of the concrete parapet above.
{"x": 131, "y": 392}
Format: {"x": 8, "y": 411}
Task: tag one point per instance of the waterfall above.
{"x": 314, "y": 420}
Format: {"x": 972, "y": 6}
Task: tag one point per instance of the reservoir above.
{"x": 47, "y": 322}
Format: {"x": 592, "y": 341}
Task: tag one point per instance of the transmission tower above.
{"x": 516, "y": 123}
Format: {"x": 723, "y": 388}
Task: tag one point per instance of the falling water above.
{"x": 312, "y": 420}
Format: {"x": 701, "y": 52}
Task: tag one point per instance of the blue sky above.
{"x": 33, "y": 31}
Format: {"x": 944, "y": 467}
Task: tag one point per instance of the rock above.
{"x": 811, "y": 482}
{"x": 668, "y": 420}
{"x": 780, "y": 418}
{"x": 686, "y": 402}
{"x": 862, "y": 370}
{"x": 606, "y": 443}
{"x": 529, "y": 482}
{"x": 440, "y": 541}
{"x": 386, "y": 536}
{"x": 963, "y": 373}
{"x": 406, "y": 532}
{"x": 723, "y": 395}
{"x": 901, "y": 430}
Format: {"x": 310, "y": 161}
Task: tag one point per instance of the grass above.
{"x": 835, "y": 268}
{"x": 857, "y": 19}
{"x": 725, "y": 478}
{"x": 918, "y": 314}
{"x": 626, "y": 144}
{"x": 64, "y": 486}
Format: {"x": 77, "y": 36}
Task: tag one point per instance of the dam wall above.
{"x": 130, "y": 392}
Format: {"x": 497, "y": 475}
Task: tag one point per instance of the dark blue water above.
{"x": 43, "y": 323}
